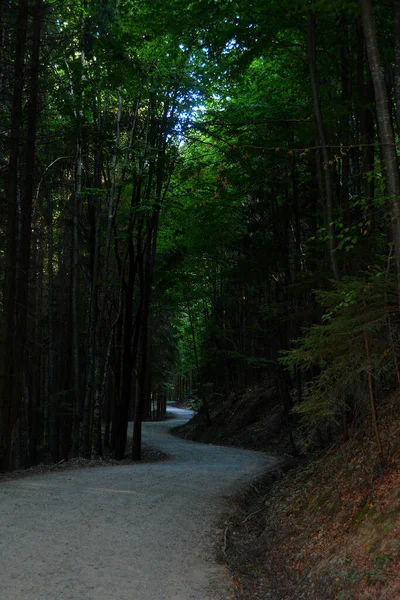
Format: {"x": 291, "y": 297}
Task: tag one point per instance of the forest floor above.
{"x": 328, "y": 529}
{"x": 149, "y": 454}
{"x": 323, "y": 527}
{"x": 138, "y": 531}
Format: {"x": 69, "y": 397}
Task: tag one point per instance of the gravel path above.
{"x": 137, "y": 532}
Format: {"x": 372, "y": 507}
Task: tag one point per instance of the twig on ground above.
{"x": 225, "y": 539}
{"x": 252, "y": 514}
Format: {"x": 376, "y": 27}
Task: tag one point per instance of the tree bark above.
{"x": 372, "y": 398}
{"x": 78, "y": 113}
{"x": 384, "y": 123}
{"x": 396, "y": 29}
{"x": 367, "y": 125}
{"x": 322, "y": 140}
{"x": 346, "y": 85}
{"x": 54, "y": 433}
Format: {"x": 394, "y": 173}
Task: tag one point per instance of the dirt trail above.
{"x": 137, "y": 532}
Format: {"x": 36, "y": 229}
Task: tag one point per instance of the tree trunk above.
{"x": 312, "y": 65}
{"x": 396, "y": 28}
{"x": 384, "y": 124}
{"x": 367, "y": 126}
{"x": 372, "y": 398}
{"x": 75, "y": 301}
{"x": 346, "y": 85}
{"x": 54, "y": 433}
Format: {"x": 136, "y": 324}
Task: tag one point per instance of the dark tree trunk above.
{"x": 388, "y": 146}
{"x": 367, "y": 125}
{"x": 322, "y": 140}
{"x": 120, "y": 422}
{"x": 396, "y": 28}
{"x": 346, "y": 85}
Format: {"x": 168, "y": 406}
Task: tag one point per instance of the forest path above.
{"x": 137, "y": 532}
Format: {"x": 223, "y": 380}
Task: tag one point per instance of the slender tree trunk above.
{"x": 78, "y": 112}
{"x": 148, "y": 405}
{"x": 384, "y": 123}
{"x": 312, "y": 65}
{"x": 145, "y": 277}
{"x": 346, "y": 85}
{"x": 296, "y": 212}
{"x": 140, "y": 400}
{"x": 75, "y": 300}
{"x": 54, "y": 432}
{"x": 396, "y": 28}
{"x": 367, "y": 125}
{"x": 372, "y": 399}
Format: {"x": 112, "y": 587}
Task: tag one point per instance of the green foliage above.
{"x": 355, "y": 308}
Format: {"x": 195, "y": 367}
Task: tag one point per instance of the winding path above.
{"x": 137, "y": 532}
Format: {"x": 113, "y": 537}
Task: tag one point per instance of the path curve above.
{"x": 137, "y": 532}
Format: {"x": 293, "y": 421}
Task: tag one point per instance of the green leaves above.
{"x": 352, "y": 306}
